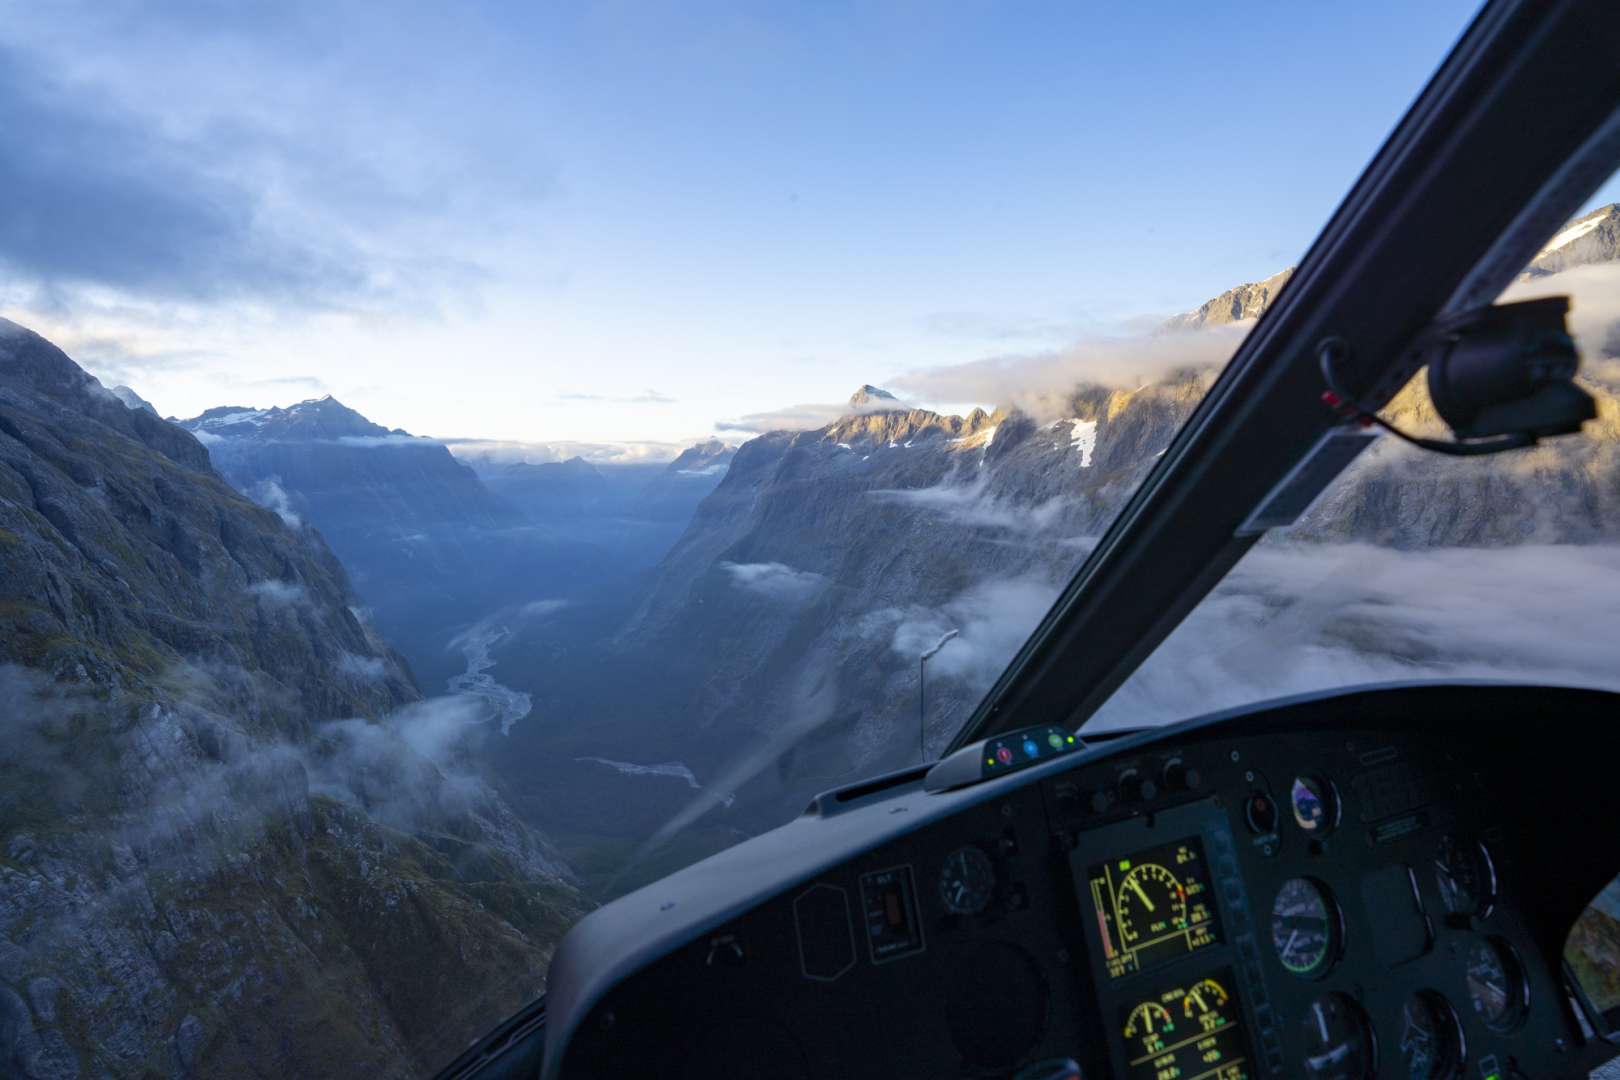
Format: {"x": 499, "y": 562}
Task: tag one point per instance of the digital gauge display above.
{"x": 1153, "y": 906}
{"x": 1189, "y": 1031}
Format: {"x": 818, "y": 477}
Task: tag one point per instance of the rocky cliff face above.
{"x": 1590, "y": 238}
{"x": 1236, "y": 304}
{"x": 233, "y": 840}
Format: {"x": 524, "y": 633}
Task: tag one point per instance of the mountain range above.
{"x": 224, "y": 770}
{"x": 782, "y": 629}
{"x": 214, "y": 766}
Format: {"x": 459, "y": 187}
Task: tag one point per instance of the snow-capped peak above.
{"x": 869, "y": 396}
{"x": 1578, "y": 228}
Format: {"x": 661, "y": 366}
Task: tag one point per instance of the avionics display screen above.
{"x": 1152, "y": 906}
{"x": 1190, "y": 1031}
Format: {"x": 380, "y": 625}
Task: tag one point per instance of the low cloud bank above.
{"x": 993, "y": 618}
{"x": 1297, "y": 618}
{"x": 971, "y": 505}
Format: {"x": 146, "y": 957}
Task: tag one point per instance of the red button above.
{"x": 1004, "y": 755}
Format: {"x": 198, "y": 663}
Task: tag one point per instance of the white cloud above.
{"x": 774, "y": 580}
{"x": 806, "y": 417}
{"x": 384, "y": 440}
{"x": 539, "y": 453}
{"x": 269, "y": 494}
{"x": 280, "y": 594}
{"x": 993, "y": 618}
{"x": 1043, "y": 383}
{"x": 364, "y": 668}
{"x": 972, "y": 505}
{"x": 1291, "y": 618}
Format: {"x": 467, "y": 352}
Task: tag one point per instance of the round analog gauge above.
{"x": 1316, "y": 805}
{"x": 1148, "y": 1018}
{"x": 1305, "y": 927}
{"x": 1496, "y": 984}
{"x": 1466, "y": 877}
{"x": 1205, "y": 996}
{"x": 1151, "y": 900}
{"x": 967, "y": 882}
{"x": 1431, "y": 1038}
{"x": 1339, "y": 1042}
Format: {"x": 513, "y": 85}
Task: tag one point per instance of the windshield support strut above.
{"x": 1460, "y": 190}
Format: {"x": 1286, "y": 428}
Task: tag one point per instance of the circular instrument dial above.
{"x": 1207, "y": 995}
{"x": 1466, "y": 876}
{"x": 1305, "y": 927}
{"x": 1152, "y": 902}
{"x": 1431, "y": 1038}
{"x": 967, "y": 882}
{"x": 1148, "y": 1018}
{"x": 1315, "y": 805}
{"x": 1496, "y": 984}
{"x": 1339, "y": 1042}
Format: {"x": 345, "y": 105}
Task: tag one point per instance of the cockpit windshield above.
{"x": 1418, "y": 565}
{"x": 461, "y": 464}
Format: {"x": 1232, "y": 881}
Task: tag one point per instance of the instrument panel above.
{"x": 1327, "y": 890}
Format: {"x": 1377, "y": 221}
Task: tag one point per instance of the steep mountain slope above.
{"x": 233, "y": 841}
{"x": 675, "y": 492}
{"x": 1590, "y": 238}
{"x": 1236, "y": 304}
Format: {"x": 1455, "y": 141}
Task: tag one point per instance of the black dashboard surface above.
{"x": 1371, "y": 883}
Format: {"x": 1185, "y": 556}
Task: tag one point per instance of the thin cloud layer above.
{"x": 1043, "y": 383}
{"x": 646, "y": 397}
{"x": 506, "y": 451}
{"x": 806, "y": 417}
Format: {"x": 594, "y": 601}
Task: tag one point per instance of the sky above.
{"x": 639, "y": 222}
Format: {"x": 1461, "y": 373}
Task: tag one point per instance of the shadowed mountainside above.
{"x": 233, "y": 839}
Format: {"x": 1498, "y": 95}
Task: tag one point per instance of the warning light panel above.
{"x": 1001, "y": 755}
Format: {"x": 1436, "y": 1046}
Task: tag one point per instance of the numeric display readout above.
{"x": 1190, "y": 1031}
{"x": 1153, "y": 906}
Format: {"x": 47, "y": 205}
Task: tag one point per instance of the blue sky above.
{"x": 633, "y": 221}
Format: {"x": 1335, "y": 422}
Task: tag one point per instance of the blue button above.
{"x": 1030, "y": 748}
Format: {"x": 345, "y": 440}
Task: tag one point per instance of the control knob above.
{"x": 1179, "y": 776}
{"x": 1134, "y": 787}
